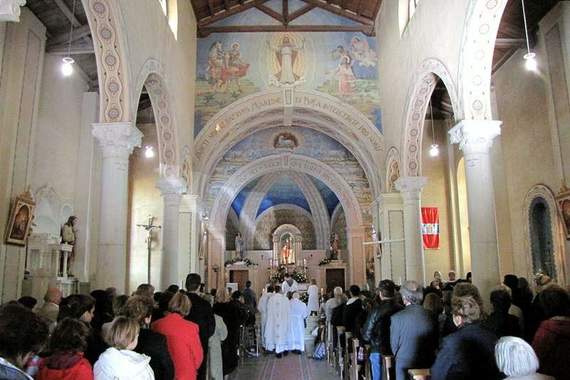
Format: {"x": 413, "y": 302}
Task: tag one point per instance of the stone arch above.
{"x": 110, "y": 52}
{"x": 352, "y": 129}
{"x": 286, "y": 162}
{"x": 392, "y": 169}
{"x": 152, "y": 77}
{"x": 316, "y": 204}
{"x": 423, "y": 84}
{"x": 476, "y": 58}
{"x": 556, "y": 227}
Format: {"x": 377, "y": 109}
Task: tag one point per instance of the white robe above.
{"x": 298, "y": 313}
{"x": 313, "y": 292}
{"x": 277, "y": 326}
{"x": 286, "y": 288}
{"x": 262, "y": 307}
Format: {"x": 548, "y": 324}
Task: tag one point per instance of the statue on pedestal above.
{"x": 68, "y": 236}
{"x": 239, "y": 245}
{"x": 334, "y": 243}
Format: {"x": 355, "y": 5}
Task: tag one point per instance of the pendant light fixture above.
{"x": 529, "y": 57}
{"x": 434, "y": 149}
{"x": 67, "y": 61}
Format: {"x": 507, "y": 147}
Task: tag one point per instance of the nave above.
{"x": 292, "y": 366}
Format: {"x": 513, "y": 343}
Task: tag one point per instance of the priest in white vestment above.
{"x": 262, "y": 307}
{"x": 289, "y": 285}
{"x": 277, "y": 326}
{"x": 297, "y": 315}
{"x": 313, "y": 292}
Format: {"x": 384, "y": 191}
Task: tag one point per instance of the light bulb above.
{"x": 149, "y": 151}
{"x": 530, "y": 62}
{"x": 67, "y": 66}
{"x": 434, "y": 150}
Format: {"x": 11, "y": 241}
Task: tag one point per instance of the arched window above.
{"x": 541, "y": 241}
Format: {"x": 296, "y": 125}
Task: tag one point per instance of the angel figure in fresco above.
{"x": 287, "y": 54}
{"x": 362, "y": 52}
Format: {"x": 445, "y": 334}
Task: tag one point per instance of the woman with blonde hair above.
{"x": 120, "y": 362}
{"x": 516, "y": 359}
{"x": 182, "y": 338}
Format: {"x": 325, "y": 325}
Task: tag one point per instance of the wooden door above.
{"x": 240, "y": 277}
{"x": 335, "y": 277}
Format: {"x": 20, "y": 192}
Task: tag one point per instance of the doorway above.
{"x": 240, "y": 277}
{"x": 334, "y": 278}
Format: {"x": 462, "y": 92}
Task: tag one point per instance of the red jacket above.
{"x": 552, "y": 346}
{"x": 65, "y": 367}
{"x": 183, "y": 340}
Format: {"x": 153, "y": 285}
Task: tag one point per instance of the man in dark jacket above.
{"x": 376, "y": 330}
{"x": 200, "y": 313}
{"x": 353, "y": 312}
{"x": 468, "y": 353}
{"x": 413, "y": 333}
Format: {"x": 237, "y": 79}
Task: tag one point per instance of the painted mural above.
{"x": 231, "y": 66}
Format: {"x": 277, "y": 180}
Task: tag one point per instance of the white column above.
{"x": 411, "y": 188}
{"x": 171, "y": 189}
{"x": 475, "y": 138}
{"x": 117, "y": 141}
{"x": 10, "y": 10}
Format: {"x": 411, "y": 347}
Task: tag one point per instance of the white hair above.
{"x": 296, "y": 295}
{"x": 337, "y": 291}
{"x": 515, "y": 357}
{"x": 412, "y": 292}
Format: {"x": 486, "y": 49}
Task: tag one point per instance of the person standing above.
{"x": 413, "y": 333}
{"x": 202, "y": 314}
{"x": 289, "y": 285}
{"x": 298, "y": 312}
{"x": 215, "y": 347}
{"x": 353, "y": 312}
{"x": 277, "y": 328}
{"x": 313, "y": 292}
{"x": 376, "y": 329}
{"x": 250, "y": 300}
{"x": 262, "y": 307}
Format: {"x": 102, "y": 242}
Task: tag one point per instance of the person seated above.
{"x": 552, "y": 340}
{"x": 516, "y": 359}
{"x": 182, "y": 338}
{"x": 50, "y": 308}
{"x": 150, "y": 343}
{"x": 67, "y": 344}
{"x": 120, "y": 362}
{"x": 22, "y": 335}
{"x": 468, "y": 353}
{"x": 500, "y": 321}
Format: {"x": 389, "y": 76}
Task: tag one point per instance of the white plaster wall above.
{"x": 435, "y": 31}
{"x": 59, "y": 128}
{"x": 527, "y": 151}
{"x": 148, "y": 35}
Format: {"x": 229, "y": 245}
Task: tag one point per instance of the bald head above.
{"x": 53, "y": 295}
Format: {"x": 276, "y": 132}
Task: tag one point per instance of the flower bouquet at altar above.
{"x": 279, "y": 276}
{"x": 239, "y": 261}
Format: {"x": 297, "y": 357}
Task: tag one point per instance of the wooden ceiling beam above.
{"x": 227, "y": 5}
{"x": 227, "y": 13}
{"x": 340, "y": 11}
{"x": 299, "y": 12}
{"x": 207, "y": 30}
{"x": 78, "y": 34}
{"x": 271, "y": 13}
{"x": 211, "y": 7}
{"x": 509, "y": 42}
{"x": 285, "y": 11}
{"x": 75, "y": 50}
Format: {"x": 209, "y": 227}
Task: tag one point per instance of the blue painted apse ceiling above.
{"x": 231, "y": 66}
{"x": 283, "y": 191}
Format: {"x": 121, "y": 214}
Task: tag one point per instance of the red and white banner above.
{"x": 430, "y": 227}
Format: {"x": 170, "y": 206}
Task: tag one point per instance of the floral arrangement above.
{"x": 279, "y": 275}
{"x": 238, "y": 260}
{"x": 300, "y": 277}
{"x": 304, "y": 297}
{"x": 324, "y": 261}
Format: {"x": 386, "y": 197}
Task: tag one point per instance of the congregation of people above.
{"x": 183, "y": 334}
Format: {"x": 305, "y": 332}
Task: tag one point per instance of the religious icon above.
{"x": 225, "y": 68}
{"x": 285, "y": 141}
{"x": 334, "y": 243}
{"x": 20, "y": 220}
{"x": 287, "y": 54}
{"x": 343, "y": 72}
{"x": 287, "y": 256}
{"x": 68, "y": 236}
{"x": 239, "y": 245}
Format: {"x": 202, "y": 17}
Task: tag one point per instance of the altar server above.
{"x": 289, "y": 285}
{"x": 298, "y": 312}
{"x": 262, "y": 307}
{"x": 277, "y": 326}
{"x": 313, "y": 292}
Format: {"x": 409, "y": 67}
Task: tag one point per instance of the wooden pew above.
{"x": 388, "y": 367}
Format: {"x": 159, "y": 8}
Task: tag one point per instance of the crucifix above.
{"x": 149, "y": 227}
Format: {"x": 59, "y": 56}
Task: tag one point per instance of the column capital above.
{"x": 475, "y": 135}
{"x": 171, "y": 185}
{"x": 115, "y": 138}
{"x": 410, "y": 184}
{"x": 10, "y": 10}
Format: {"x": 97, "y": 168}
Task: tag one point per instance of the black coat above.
{"x": 413, "y": 338}
{"x": 468, "y": 354}
{"x": 503, "y": 324}
{"x": 376, "y": 329}
{"x": 154, "y": 345}
{"x": 202, "y": 314}
{"x": 352, "y": 317}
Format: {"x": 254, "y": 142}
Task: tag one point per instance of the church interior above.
{"x": 330, "y": 143}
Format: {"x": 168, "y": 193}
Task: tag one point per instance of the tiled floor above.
{"x": 290, "y": 367}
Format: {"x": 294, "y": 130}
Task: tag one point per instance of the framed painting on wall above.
{"x": 563, "y": 201}
{"x": 20, "y": 221}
